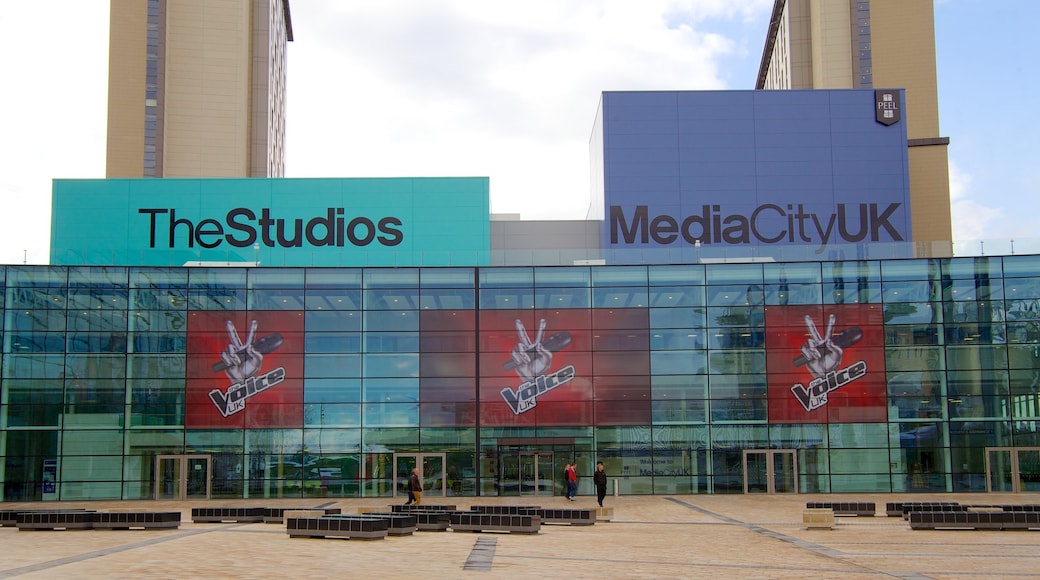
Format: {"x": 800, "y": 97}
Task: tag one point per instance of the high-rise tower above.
{"x": 196, "y": 88}
{"x": 834, "y": 44}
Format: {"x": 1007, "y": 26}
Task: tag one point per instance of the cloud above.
{"x": 456, "y": 87}
{"x": 970, "y": 218}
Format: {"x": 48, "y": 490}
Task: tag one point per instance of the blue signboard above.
{"x": 271, "y": 222}
{"x": 719, "y": 169}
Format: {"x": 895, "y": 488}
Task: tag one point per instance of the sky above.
{"x": 507, "y": 90}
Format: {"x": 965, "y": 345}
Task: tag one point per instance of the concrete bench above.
{"x": 897, "y": 508}
{"x": 975, "y": 520}
{"x": 818, "y": 518}
{"x": 227, "y": 514}
{"x": 504, "y": 510}
{"x": 137, "y": 520}
{"x": 55, "y": 520}
{"x": 574, "y": 517}
{"x": 398, "y": 524}
{"x": 9, "y": 517}
{"x": 277, "y": 515}
{"x": 422, "y": 507}
{"x": 845, "y": 508}
{"x": 604, "y": 514}
{"x": 911, "y": 508}
{"x": 343, "y": 526}
{"x": 1005, "y": 507}
{"x": 481, "y": 522}
{"x": 425, "y": 520}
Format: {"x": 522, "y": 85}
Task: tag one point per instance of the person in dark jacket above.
{"x": 600, "y": 479}
{"x": 415, "y": 488}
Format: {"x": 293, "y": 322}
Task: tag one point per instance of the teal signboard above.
{"x": 271, "y": 222}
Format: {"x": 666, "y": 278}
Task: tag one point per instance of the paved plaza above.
{"x": 705, "y": 536}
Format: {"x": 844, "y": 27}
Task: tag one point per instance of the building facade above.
{"x": 156, "y": 382}
{"x": 197, "y": 88}
{"x": 828, "y": 44}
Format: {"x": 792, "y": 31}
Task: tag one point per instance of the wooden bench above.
{"x": 342, "y": 526}
{"x": 574, "y": 517}
{"x": 137, "y": 520}
{"x": 277, "y": 515}
{"x": 1001, "y": 520}
{"x": 205, "y": 515}
{"x": 818, "y": 518}
{"x": 481, "y": 522}
{"x": 55, "y": 520}
{"x": 897, "y": 508}
{"x": 845, "y": 508}
{"x": 604, "y": 514}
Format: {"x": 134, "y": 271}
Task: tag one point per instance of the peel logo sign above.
{"x": 531, "y": 360}
{"x": 823, "y": 358}
{"x": 242, "y": 362}
{"x": 887, "y": 110}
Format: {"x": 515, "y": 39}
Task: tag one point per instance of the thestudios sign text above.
{"x": 767, "y": 224}
{"x": 241, "y": 227}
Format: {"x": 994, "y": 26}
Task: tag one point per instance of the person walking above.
{"x": 572, "y": 481}
{"x": 415, "y": 487}
{"x": 600, "y": 479}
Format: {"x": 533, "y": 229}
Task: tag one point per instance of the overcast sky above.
{"x": 503, "y": 89}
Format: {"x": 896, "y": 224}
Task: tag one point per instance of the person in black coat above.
{"x": 600, "y": 479}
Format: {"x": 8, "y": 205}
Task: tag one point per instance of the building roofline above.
{"x": 767, "y": 50}
{"x": 288, "y": 20}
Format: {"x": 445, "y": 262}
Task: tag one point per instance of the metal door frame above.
{"x": 1016, "y": 473}
{"x": 182, "y": 480}
{"x": 420, "y": 460}
{"x": 770, "y": 472}
{"x": 537, "y": 476}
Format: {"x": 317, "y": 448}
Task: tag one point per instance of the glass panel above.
{"x": 784, "y": 472}
{"x": 756, "y": 477}
{"x": 403, "y": 466}
{"x": 433, "y": 476}
{"x": 998, "y": 470}
{"x": 1029, "y": 470}
{"x": 169, "y": 478}
{"x": 546, "y": 469}
{"x": 509, "y": 475}
{"x": 197, "y": 477}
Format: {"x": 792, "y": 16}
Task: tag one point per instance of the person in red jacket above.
{"x": 572, "y": 481}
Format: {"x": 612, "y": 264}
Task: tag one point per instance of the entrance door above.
{"x": 433, "y": 465}
{"x": 770, "y": 471}
{"x": 181, "y": 477}
{"x": 536, "y": 472}
{"x": 1013, "y": 469}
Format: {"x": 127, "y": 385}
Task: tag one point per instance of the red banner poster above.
{"x": 244, "y": 370}
{"x": 826, "y": 364}
{"x": 538, "y": 367}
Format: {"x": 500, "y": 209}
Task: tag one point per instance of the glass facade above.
{"x": 907, "y": 375}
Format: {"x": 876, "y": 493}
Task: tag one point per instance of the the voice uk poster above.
{"x": 826, "y": 364}
{"x": 244, "y": 370}
{"x": 564, "y": 367}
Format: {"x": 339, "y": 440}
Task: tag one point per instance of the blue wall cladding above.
{"x": 750, "y": 168}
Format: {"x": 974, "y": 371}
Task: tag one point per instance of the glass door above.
{"x": 1013, "y": 469}
{"x": 181, "y": 477}
{"x": 535, "y": 473}
{"x": 756, "y": 472}
{"x": 433, "y": 466}
{"x": 770, "y": 471}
